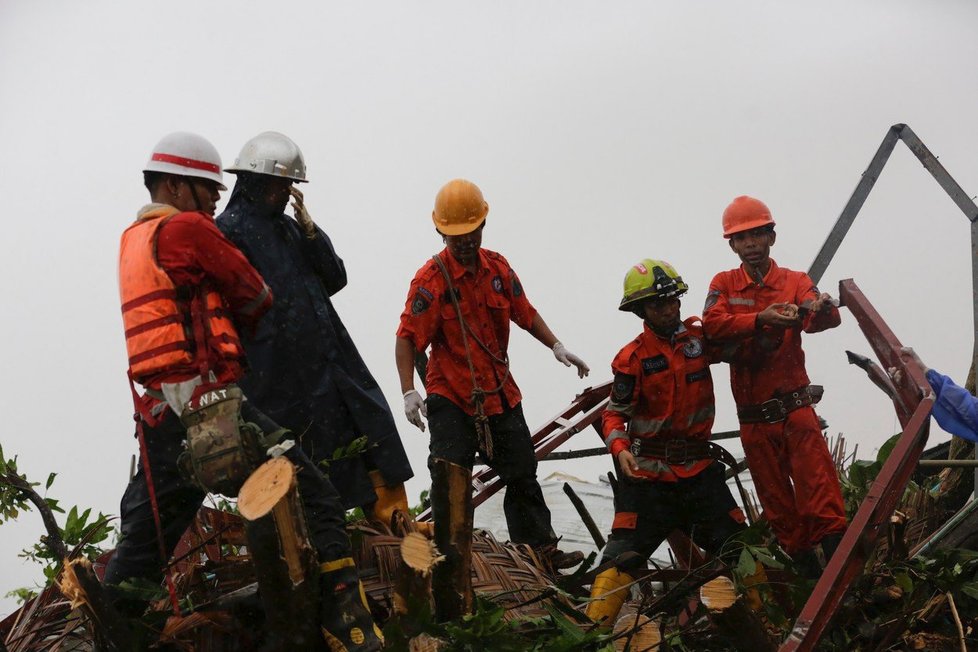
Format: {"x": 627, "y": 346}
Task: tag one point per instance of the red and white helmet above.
{"x": 188, "y": 155}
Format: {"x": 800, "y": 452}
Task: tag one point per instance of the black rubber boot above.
{"x": 830, "y": 543}
{"x": 344, "y": 615}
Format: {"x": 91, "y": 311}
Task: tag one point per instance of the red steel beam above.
{"x": 913, "y": 410}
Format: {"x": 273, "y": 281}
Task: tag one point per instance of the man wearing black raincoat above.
{"x": 306, "y": 372}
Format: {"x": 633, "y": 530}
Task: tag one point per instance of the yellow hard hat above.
{"x": 459, "y": 208}
{"x": 650, "y": 279}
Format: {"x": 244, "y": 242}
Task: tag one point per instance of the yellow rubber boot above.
{"x": 751, "y": 594}
{"x": 606, "y": 602}
{"x": 391, "y": 498}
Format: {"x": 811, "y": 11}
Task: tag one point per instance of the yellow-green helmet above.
{"x": 651, "y": 279}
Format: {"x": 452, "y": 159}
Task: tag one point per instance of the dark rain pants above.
{"x": 702, "y": 507}
{"x": 138, "y": 553}
{"x": 453, "y": 438}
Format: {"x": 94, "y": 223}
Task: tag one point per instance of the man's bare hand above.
{"x": 628, "y": 464}
{"x": 823, "y": 303}
{"x": 779, "y": 315}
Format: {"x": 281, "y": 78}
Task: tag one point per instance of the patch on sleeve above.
{"x": 711, "y": 299}
{"x": 621, "y": 391}
{"x": 421, "y": 302}
{"x": 654, "y": 365}
{"x": 517, "y": 288}
{"x": 697, "y": 376}
{"x": 427, "y": 293}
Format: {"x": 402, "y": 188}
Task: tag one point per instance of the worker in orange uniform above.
{"x": 766, "y": 308}
{"x": 657, "y": 425}
{"x": 461, "y": 302}
{"x": 186, "y": 291}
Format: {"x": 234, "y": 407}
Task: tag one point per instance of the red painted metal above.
{"x": 913, "y": 405}
{"x": 580, "y": 414}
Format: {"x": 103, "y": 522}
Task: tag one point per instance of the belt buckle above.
{"x": 772, "y": 411}
{"x": 673, "y": 457}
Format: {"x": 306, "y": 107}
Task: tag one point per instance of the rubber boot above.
{"x": 344, "y": 617}
{"x": 390, "y": 498}
{"x": 752, "y": 596}
{"x": 606, "y": 602}
{"x": 830, "y": 543}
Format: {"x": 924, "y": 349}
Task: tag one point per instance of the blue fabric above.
{"x": 305, "y": 371}
{"x": 955, "y": 409}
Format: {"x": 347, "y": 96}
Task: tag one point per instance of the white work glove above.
{"x": 568, "y": 358}
{"x": 414, "y": 408}
{"x": 301, "y": 214}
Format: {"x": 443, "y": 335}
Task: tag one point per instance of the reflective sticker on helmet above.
{"x": 497, "y": 283}
{"x": 693, "y": 348}
{"x": 621, "y": 391}
{"x": 420, "y": 304}
{"x": 711, "y": 299}
{"x": 654, "y": 365}
{"x": 642, "y": 269}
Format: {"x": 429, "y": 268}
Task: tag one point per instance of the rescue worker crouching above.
{"x": 765, "y": 308}
{"x": 305, "y": 370}
{"x": 461, "y": 302}
{"x": 657, "y": 425}
{"x": 185, "y": 292}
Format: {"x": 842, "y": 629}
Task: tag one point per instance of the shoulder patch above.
{"x": 693, "y": 348}
{"x": 711, "y": 299}
{"x": 497, "y": 283}
{"x": 623, "y": 388}
{"x": 420, "y": 303}
{"x": 654, "y": 365}
{"x": 517, "y": 287}
{"x": 426, "y": 293}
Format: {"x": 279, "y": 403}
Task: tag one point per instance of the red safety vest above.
{"x": 168, "y": 328}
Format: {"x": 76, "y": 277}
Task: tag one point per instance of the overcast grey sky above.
{"x": 601, "y": 133}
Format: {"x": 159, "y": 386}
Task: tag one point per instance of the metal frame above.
{"x": 913, "y": 404}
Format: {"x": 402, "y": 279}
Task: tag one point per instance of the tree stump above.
{"x": 286, "y": 564}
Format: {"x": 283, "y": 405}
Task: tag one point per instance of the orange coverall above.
{"x": 793, "y": 471}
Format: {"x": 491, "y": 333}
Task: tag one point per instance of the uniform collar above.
{"x": 455, "y": 269}
{"x": 773, "y": 279}
{"x": 681, "y": 333}
{"x": 151, "y": 211}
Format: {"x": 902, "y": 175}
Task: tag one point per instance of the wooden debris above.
{"x": 732, "y": 618}
{"x": 419, "y": 552}
{"x": 644, "y": 633}
{"x": 284, "y": 560}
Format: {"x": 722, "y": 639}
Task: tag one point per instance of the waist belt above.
{"x": 679, "y": 450}
{"x": 776, "y": 409}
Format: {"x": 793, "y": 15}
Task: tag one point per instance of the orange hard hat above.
{"x": 459, "y": 208}
{"x": 745, "y": 213}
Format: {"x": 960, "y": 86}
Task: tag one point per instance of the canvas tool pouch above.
{"x": 216, "y": 457}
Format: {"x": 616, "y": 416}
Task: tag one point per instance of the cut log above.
{"x": 79, "y": 584}
{"x": 451, "y": 507}
{"x": 637, "y": 632}
{"x": 285, "y": 562}
{"x": 732, "y": 618}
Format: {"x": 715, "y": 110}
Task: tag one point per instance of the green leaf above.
{"x": 904, "y": 582}
{"x": 970, "y": 589}
{"x": 51, "y": 477}
{"x": 746, "y": 566}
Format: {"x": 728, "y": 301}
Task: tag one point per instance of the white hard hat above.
{"x": 188, "y": 155}
{"x": 273, "y": 154}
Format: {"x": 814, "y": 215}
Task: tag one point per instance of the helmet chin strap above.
{"x": 193, "y": 193}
